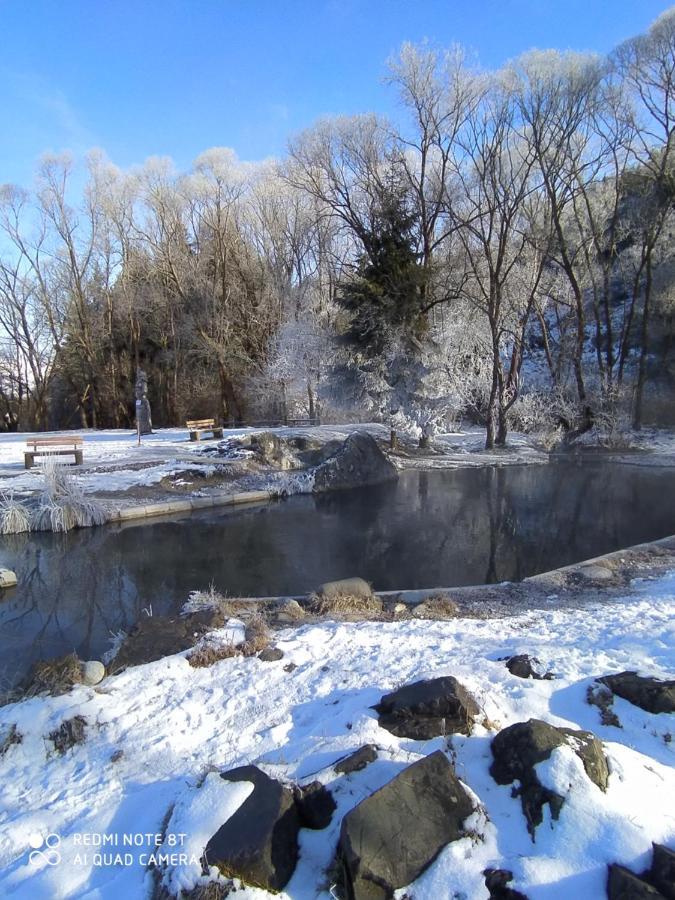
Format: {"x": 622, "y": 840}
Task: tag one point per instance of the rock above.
{"x": 93, "y": 672}
{"x": 391, "y": 837}
{"x": 596, "y": 573}
{"x": 271, "y": 654}
{"x": 259, "y": 843}
{"x": 359, "y": 461}
{"x": 288, "y": 611}
{"x": 315, "y": 805}
{"x": 523, "y": 666}
{"x": 662, "y": 871}
{"x": 272, "y": 450}
{"x": 650, "y": 694}
{"x": 427, "y": 709}
{"x": 394, "y": 608}
{"x": 519, "y": 748}
{"x": 346, "y": 587}
{"x": 7, "y": 578}
{"x": 622, "y": 884}
{"x": 154, "y": 637}
{"x": 290, "y": 667}
{"x": 497, "y": 881}
{"x": 357, "y": 760}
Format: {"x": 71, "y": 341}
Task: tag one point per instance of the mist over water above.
{"x": 434, "y": 528}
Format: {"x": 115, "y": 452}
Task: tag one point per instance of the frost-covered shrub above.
{"x": 63, "y": 504}
{"x": 14, "y": 516}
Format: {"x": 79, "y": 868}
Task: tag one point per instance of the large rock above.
{"x": 391, "y": 837}
{"x": 259, "y": 843}
{"x": 662, "y": 871}
{"x": 427, "y": 709}
{"x": 315, "y": 805}
{"x": 650, "y": 694}
{"x": 357, "y": 760}
{"x": 359, "y": 461}
{"x": 622, "y": 884}
{"x": 524, "y": 666}
{"x": 519, "y": 748}
{"x": 271, "y": 450}
{"x": 346, "y": 587}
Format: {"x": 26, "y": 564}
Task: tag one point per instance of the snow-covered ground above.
{"x": 113, "y": 461}
{"x": 175, "y": 724}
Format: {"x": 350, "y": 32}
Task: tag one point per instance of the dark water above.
{"x": 438, "y": 528}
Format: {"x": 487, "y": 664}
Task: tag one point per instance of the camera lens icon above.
{"x": 45, "y": 851}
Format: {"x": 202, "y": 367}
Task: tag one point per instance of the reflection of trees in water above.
{"x": 70, "y": 595}
{"x": 430, "y": 529}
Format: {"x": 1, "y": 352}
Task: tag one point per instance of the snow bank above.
{"x": 154, "y": 734}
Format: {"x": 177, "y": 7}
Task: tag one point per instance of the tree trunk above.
{"x": 644, "y": 348}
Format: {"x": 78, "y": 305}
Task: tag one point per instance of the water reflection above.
{"x": 432, "y": 528}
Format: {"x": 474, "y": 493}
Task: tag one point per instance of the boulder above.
{"x": 315, "y": 805}
{"x": 622, "y": 884}
{"x": 259, "y": 843}
{"x": 427, "y": 709}
{"x": 288, "y": 611}
{"x": 519, "y": 748}
{"x": 497, "y": 883}
{"x": 93, "y": 672}
{"x": 346, "y": 587}
{"x": 524, "y": 666}
{"x": 650, "y": 694}
{"x": 596, "y": 573}
{"x": 271, "y": 654}
{"x": 358, "y": 462}
{"x": 391, "y": 837}
{"x": 662, "y": 871}
{"x": 271, "y": 450}
{"x": 357, "y": 760}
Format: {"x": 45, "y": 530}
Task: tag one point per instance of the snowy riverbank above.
{"x": 167, "y": 465}
{"x": 153, "y": 733}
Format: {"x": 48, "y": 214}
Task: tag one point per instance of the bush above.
{"x": 63, "y": 504}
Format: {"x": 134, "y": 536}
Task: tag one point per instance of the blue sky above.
{"x": 173, "y": 77}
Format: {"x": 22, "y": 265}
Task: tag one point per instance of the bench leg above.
{"x": 29, "y": 460}
{"x": 194, "y": 435}
{"x": 78, "y": 457}
{"x": 218, "y": 433}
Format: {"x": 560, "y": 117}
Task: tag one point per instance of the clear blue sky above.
{"x": 173, "y": 77}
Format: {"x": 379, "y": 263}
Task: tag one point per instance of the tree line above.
{"x": 504, "y": 254}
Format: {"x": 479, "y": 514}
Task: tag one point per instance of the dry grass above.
{"x": 11, "y": 738}
{"x": 436, "y": 606}
{"x": 63, "y": 504}
{"x": 600, "y": 695}
{"x": 209, "y": 652}
{"x": 257, "y": 635}
{"x": 14, "y": 517}
{"x": 69, "y": 734}
{"x": 53, "y": 676}
{"x": 345, "y": 606}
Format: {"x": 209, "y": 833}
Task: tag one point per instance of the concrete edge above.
{"x": 153, "y": 510}
{"x": 413, "y": 596}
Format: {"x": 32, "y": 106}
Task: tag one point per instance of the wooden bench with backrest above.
{"x": 54, "y": 446}
{"x": 197, "y": 426}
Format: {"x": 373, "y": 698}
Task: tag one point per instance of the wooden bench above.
{"x": 53, "y": 446}
{"x": 197, "y": 426}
